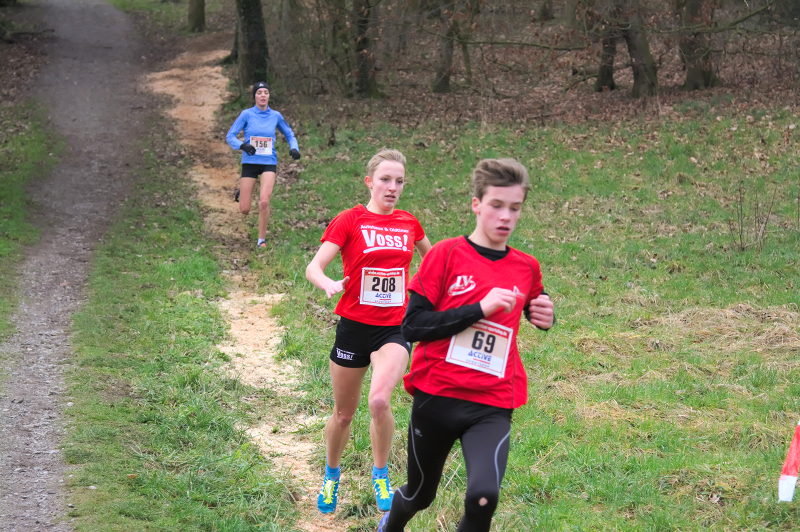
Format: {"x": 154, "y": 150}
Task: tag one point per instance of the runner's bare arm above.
{"x": 315, "y": 271}
{"x": 423, "y": 246}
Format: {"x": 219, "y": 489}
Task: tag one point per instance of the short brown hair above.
{"x": 385, "y": 154}
{"x": 499, "y": 173}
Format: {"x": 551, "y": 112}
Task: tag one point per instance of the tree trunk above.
{"x": 605, "y": 74}
{"x": 694, "y": 47}
{"x": 441, "y": 81}
{"x": 645, "y": 79}
{"x": 467, "y": 62}
{"x": 253, "y": 53}
{"x": 366, "y": 83}
{"x": 545, "y": 11}
{"x": 197, "y": 16}
{"x": 340, "y": 51}
{"x": 455, "y": 17}
{"x": 570, "y": 14}
{"x": 233, "y": 57}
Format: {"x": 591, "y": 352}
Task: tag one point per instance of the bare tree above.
{"x": 233, "y": 57}
{"x": 341, "y": 45}
{"x": 545, "y": 11}
{"x": 613, "y": 21}
{"x": 252, "y": 51}
{"x": 456, "y": 20}
{"x": 695, "y": 49}
{"x": 622, "y": 20}
{"x": 608, "y": 53}
{"x": 645, "y": 80}
{"x": 339, "y": 42}
{"x": 569, "y": 15}
{"x": 366, "y": 83}
{"x": 197, "y": 16}
{"x": 441, "y": 79}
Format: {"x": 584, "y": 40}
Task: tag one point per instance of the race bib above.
{"x": 383, "y": 287}
{"x": 263, "y": 145}
{"x": 482, "y": 346}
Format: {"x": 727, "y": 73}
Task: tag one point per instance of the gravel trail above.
{"x": 88, "y": 88}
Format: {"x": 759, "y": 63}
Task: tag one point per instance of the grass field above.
{"x": 664, "y": 398}
{"x": 666, "y": 394}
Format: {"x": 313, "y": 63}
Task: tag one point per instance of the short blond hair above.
{"x": 499, "y": 173}
{"x": 385, "y": 154}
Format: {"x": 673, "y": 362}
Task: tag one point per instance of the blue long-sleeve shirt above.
{"x": 259, "y": 130}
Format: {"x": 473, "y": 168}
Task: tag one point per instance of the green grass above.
{"x": 26, "y": 153}
{"x": 667, "y": 393}
{"x": 663, "y": 399}
{"x": 154, "y": 439}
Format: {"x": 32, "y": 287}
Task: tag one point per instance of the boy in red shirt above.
{"x": 466, "y": 373}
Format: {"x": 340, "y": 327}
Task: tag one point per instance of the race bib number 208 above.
{"x": 383, "y": 287}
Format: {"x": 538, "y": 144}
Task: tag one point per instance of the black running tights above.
{"x": 436, "y": 423}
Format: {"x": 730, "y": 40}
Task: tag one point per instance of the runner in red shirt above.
{"x": 377, "y": 244}
{"x": 466, "y": 373}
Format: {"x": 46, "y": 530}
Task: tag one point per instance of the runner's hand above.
{"x": 497, "y": 299}
{"x": 334, "y": 287}
{"x": 294, "y": 153}
{"x": 541, "y": 311}
{"x": 248, "y": 148}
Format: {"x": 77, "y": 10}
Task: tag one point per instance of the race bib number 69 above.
{"x": 483, "y": 346}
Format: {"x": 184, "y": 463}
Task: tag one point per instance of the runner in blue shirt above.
{"x": 259, "y": 155}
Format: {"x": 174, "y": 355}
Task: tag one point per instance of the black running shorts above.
{"x": 356, "y": 341}
{"x": 255, "y": 170}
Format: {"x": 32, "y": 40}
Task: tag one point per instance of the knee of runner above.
{"x": 244, "y": 209}
{"x": 483, "y": 500}
{"x": 342, "y": 418}
{"x": 379, "y": 405}
{"x": 263, "y": 204}
{"x": 425, "y": 503}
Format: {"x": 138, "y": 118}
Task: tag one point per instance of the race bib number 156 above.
{"x": 263, "y": 145}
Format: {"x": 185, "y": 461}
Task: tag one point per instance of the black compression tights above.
{"x": 436, "y": 423}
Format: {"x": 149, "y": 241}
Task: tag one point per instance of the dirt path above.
{"x": 197, "y": 87}
{"x": 96, "y": 95}
{"x": 88, "y": 90}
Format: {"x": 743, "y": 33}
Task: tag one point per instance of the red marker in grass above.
{"x": 788, "y": 479}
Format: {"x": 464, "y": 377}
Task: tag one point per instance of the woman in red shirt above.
{"x": 377, "y": 243}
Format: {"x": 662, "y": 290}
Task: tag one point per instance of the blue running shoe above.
{"x": 383, "y": 493}
{"x": 383, "y": 522}
{"x": 328, "y": 495}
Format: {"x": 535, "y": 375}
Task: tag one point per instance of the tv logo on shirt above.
{"x": 463, "y": 284}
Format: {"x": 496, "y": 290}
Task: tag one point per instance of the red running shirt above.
{"x": 376, "y": 252}
{"x": 481, "y": 363}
